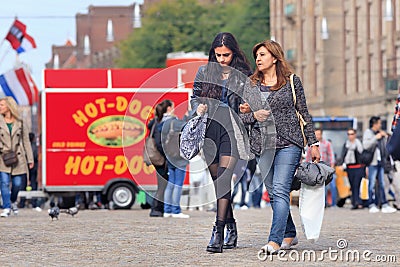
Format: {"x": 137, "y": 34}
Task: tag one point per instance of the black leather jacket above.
{"x": 234, "y": 94}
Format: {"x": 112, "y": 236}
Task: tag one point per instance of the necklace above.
{"x": 270, "y": 82}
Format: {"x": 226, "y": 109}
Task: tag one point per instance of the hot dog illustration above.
{"x": 109, "y": 131}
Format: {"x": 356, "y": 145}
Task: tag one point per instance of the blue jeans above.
{"x": 173, "y": 191}
{"x": 374, "y": 172}
{"x": 243, "y": 182}
{"x": 332, "y": 187}
{"x": 278, "y": 180}
{"x": 7, "y": 196}
{"x": 256, "y": 196}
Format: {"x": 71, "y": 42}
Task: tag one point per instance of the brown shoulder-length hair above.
{"x": 283, "y": 68}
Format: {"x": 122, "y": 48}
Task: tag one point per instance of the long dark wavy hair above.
{"x": 211, "y": 86}
{"x": 283, "y": 68}
{"x": 161, "y": 108}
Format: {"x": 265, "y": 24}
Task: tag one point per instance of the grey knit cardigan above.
{"x": 284, "y": 119}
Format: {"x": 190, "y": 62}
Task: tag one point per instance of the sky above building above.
{"x": 49, "y": 22}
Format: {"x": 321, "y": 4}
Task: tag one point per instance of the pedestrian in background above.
{"x": 327, "y": 155}
{"x": 350, "y": 162}
{"x": 14, "y": 136}
{"x": 217, "y": 90}
{"x": 392, "y": 184}
{"x": 396, "y": 172}
{"x": 33, "y": 181}
{"x": 256, "y": 184}
{"x": 199, "y": 181}
{"x": 157, "y": 209}
{"x": 176, "y": 165}
{"x": 242, "y": 180}
{"x": 374, "y": 137}
{"x": 269, "y": 97}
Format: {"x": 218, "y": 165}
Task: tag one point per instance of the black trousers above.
{"x": 162, "y": 181}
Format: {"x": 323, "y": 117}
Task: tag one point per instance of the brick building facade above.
{"x": 347, "y": 53}
{"x": 97, "y": 34}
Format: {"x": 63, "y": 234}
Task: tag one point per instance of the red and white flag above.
{"x": 19, "y": 39}
{"x": 19, "y": 84}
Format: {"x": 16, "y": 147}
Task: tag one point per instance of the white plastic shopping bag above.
{"x": 311, "y": 208}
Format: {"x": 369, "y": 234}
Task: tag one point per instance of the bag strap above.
{"x": 170, "y": 131}
{"x": 152, "y": 128}
{"x": 171, "y": 127}
{"x": 293, "y": 91}
{"x": 22, "y": 135}
{"x": 295, "y": 100}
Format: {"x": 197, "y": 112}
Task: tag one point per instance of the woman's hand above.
{"x": 261, "y": 115}
{"x": 315, "y": 155}
{"x": 201, "y": 109}
{"x": 31, "y": 165}
{"x": 244, "y": 108}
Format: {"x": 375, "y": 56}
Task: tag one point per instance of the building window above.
{"x": 314, "y": 30}
{"x": 56, "y": 62}
{"x": 369, "y": 38}
{"x": 397, "y": 61}
{"x": 345, "y": 74}
{"x": 290, "y": 55}
{"x": 86, "y": 45}
{"x": 385, "y": 69}
{"x": 356, "y": 24}
{"x": 369, "y": 72}
{"x": 317, "y": 72}
{"x": 290, "y": 10}
{"x": 137, "y": 20}
{"x": 357, "y": 74}
{"x": 110, "y": 31}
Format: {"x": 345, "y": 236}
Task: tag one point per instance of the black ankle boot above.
{"x": 217, "y": 240}
{"x": 231, "y": 236}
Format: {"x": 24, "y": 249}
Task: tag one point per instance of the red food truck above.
{"x": 93, "y": 127}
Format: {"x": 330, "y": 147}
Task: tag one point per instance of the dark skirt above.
{"x": 220, "y": 137}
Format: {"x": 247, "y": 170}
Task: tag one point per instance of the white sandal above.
{"x": 268, "y": 250}
{"x": 287, "y": 246}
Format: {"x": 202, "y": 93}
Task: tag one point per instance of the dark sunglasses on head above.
{"x": 350, "y": 133}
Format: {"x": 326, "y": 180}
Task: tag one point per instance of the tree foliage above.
{"x": 188, "y": 25}
{"x": 250, "y": 24}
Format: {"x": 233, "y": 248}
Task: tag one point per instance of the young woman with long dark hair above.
{"x": 157, "y": 209}
{"x": 217, "y": 89}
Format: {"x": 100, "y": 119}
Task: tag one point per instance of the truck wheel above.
{"x": 122, "y": 195}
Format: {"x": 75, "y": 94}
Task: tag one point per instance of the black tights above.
{"x": 221, "y": 174}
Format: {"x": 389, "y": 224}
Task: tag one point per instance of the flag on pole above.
{"x": 19, "y": 84}
{"x": 19, "y": 39}
{"x": 34, "y": 89}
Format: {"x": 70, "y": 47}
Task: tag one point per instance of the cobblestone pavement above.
{"x": 132, "y": 238}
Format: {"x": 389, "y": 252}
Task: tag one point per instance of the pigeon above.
{"x": 71, "y": 211}
{"x": 54, "y": 212}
